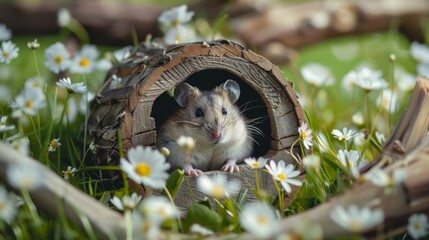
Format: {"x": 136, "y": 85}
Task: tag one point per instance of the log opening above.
{"x": 250, "y": 104}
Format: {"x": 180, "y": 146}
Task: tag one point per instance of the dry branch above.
{"x": 55, "y": 191}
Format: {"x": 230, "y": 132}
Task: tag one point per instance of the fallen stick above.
{"x": 55, "y": 191}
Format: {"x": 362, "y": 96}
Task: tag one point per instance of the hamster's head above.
{"x": 211, "y": 116}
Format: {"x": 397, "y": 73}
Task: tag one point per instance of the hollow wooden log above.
{"x": 142, "y": 104}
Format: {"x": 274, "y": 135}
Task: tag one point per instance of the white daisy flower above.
{"x": 420, "y": 52}
{"x": 256, "y": 163}
{"x": 218, "y": 186}
{"x": 180, "y": 34}
{"x": 5, "y": 33}
{"x": 63, "y": 17}
{"x": 158, "y": 209}
{"x": 404, "y": 80}
{"x": 175, "y": 16}
{"x": 28, "y": 102}
{"x": 311, "y": 161}
{"x": 127, "y": 202}
{"x": 366, "y": 79}
{"x": 360, "y": 139}
{"x": 25, "y": 176}
{"x": 57, "y": 58}
{"x": 69, "y": 172}
{"x": 122, "y": 54}
{"x": 317, "y": 74}
{"x": 388, "y": 100}
{"x": 54, "y": 145}
{"x": 33, "y": 44}
{"x": 71, "y": 87}
{"x": 198, "y": 229}
{"x": 356, "y": 220}
{"x": 146, "y": 166}
{"x": 345, "y": 135}
{"x": 3, "y": 126}
{"x": 260, "y": 220}
{"x": 284, "y": 174}
{"x": 21, "y": 145}
{"x": 116, "y": 82}
{"x": 423, "y": 69}
{"x": 418, "y": 225}
{"x": 305, "y": 135}
{"x": 380, "y": 178}
{"x": 34, "y": 83}
{"x": 144, "y": 228}
{"x": 358, "y": 118}
{"x": 187, "y": 143}
{"x": 8, "y": 51}
{"x": 85, "y": 61}
{"x": 8, "y": 206}
{"x": 350, "y": 159}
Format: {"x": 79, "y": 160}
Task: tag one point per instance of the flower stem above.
{"x": 281, "y": 198}
{"x": 86, "y": 118}
{"x": 128, "y": 224}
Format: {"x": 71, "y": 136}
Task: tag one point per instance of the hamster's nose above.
{"x": 216, "y": 133}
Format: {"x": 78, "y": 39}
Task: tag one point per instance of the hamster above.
{"x": 222, "y": 136}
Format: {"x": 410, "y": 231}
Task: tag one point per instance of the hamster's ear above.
{"x": 182, "y": 93}
{"x": 233, "y": 90}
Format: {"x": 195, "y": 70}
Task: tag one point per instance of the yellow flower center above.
{"x": 58, "y": 59}
{"x": 54, "y": 144}
{"x": 355, "y": 225}
{"x": 162, "y": 212}
{"x": 218, "y": 191}
{"x": 5, "y": 54}
{"x": 303, "y": 135}
{"x": 262, "y": 220}
{"x": 28, "y": 104}
{"x": 281, "y": 176}
{"x": 349, "y": 164}
{"x": 145, "y": 227}
{"x": 85, "y": 62}
{"x": 175, "y": 22}
{"x": 143, "y": 169}
{"x": 417, "y": 226}
{"x": 256, "y": 164}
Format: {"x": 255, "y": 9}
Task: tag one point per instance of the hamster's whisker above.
{"x": 256, "y": 130}
{"x": 257, "y": 120}
{"x": 253, "y": 140}
{"x": 189, "y": 122}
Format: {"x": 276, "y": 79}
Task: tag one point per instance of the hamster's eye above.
{"x": 224, "y": 111}
{"x": 199, "y": 112}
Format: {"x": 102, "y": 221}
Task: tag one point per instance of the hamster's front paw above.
{"x": 230, "y": 166}
{"x": 190, "y": 171}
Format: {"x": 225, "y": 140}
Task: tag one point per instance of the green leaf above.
{"x": 174, "y": 181}
{"x": 204, "y": 216}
